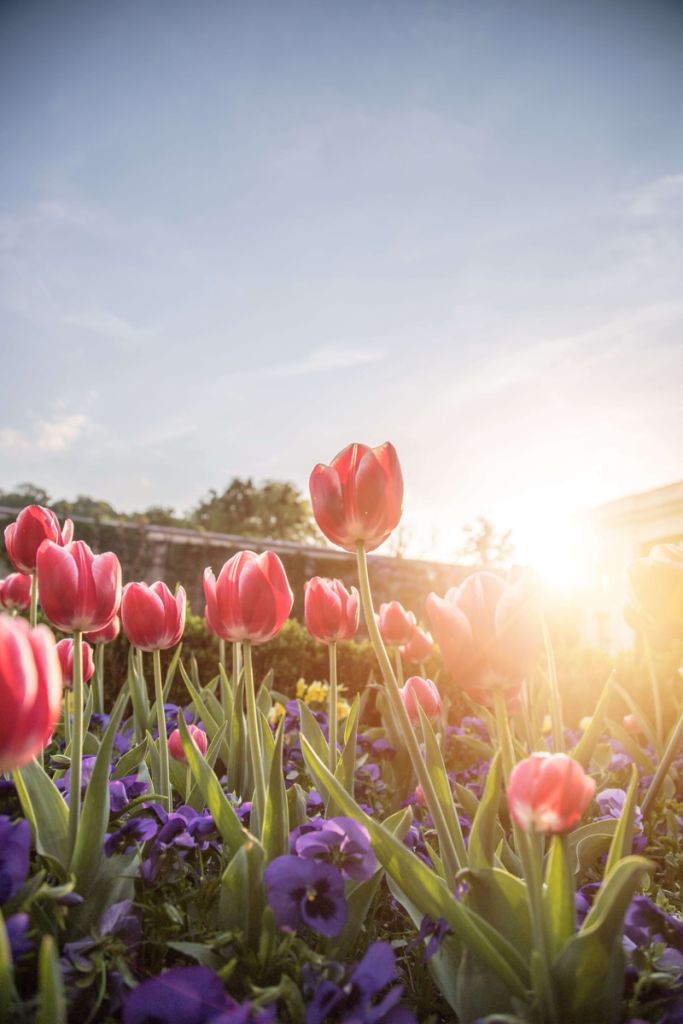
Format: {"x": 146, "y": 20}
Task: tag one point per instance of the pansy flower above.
{"x": 342, "y": 842}
{"x": 305, "y": 892}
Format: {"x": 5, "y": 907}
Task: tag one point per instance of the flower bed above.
{"x": 371, "y": 853}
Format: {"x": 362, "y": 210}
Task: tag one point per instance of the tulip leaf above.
{"x": 586, "y": 745}
{"x": 631, "y": 746}
{"x": 442, "y": 788}
{"x": 51, "y": 997}
{"x": 171, "y": 671}
{"x": 559, "y": 899}
{"x": 485, "y": 826}
{"x": 242, "y": 896}
{"x": 212, "y": 719}
{"x": 423, "y": 887}
{"x": 588, "y": 842}
{"x": 237, "y": 757}
{"x": 44, "y": 806}
{"x": 222, "y": 811}
{"x": 8, "y": 992}
{"x": 275, "y": 831}
{"x": 622, "y": 843}
{"x": 311, "y": 730}
{"x": 130, "y": 761}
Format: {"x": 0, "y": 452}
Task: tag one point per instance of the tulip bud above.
{"x": 30, "y": 691}
{"x": 105, "y": 635}
{"x": 359, "y": 496}
{"x": 65, "y": 651}
{"x": 153, "y": 619}
{"x": 396, "y": 624}
{"x": 548, "y": 793}
{"x": 330, "y": 610}
{"x": 423, "y": 692}
{"x": 78, "y": 590}
{"x": 33, "y": 525}
{"x": 15, "y": 592}
{"x": 419, "y": 796}
{"x": 250, "y": 600}
{"x": 632, "y": 725}
{"x": 175, "y": 743}
{"x": 419, "y": 647}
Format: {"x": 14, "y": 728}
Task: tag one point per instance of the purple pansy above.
{"x": 15, "y": 846}
{"x": 16, "y": 927}
{"x": 612, "y": 802}
{"x": 304, "y": 892}
{"x": 188, "y": 995}
{"x": 355, "y": 996}
{"x": 342, "y": 842}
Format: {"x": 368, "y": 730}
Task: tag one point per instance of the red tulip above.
{"x": 396, "y": 624}
{"x": 175, "y": 744}
{"x": 419, "y": 647}
{"x": 65, "y": 651}
{"x": 548, "y": 793}
{"x": 153, "y": 619}
{"x": 423, "y": 692}
{"x": 488, "y": 631}
{"x": 359, "y": 496}
{"x": 656, "y": 591}
{"x": 33, "y": 525}
{"x": 330, "y": 610}
{"x": 78, "y": 590}
{"x": 251, "y": 598}
{"x": 106, "y": 634}
{"x": 30, "y": 691}
{"x": 15, "y": 592}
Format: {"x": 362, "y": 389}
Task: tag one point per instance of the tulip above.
{"x": 548, "y": 793}
{"x": 105, "y": 635}
{"x": 152, "y": 618}
{"x": 15, "y": 592}
{"x": 33, "y": 525}
{"x": 65, "y": 650}
{"x": 656, "y": 591}
{"x": 175, "y": 743}
{"x": 423, "y": 692}
{"x": 632, "y": 725}
{"x": 30, "y": 691}
{"x": 79, "y": 591}
{"x": 359, "y": 496}
{"x": 251, "y": 598}
{"x": 488, "y": 631}
{"x": 396, "y": 625}
{"x": 419, "y": 647}
{"x": 330, "y": 610}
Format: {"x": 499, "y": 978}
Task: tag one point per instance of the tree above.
{"x": 272, "y": 509}
{"x": 484, "y": 547}
{"x": 161, "y": 515}
{"x": 88, "y": 508}
{"x": 25, "y": 494}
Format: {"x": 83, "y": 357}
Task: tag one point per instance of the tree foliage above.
{"x": 272, "y": 509}
{"x": 484, "y": 547}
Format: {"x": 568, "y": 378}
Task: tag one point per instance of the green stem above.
{"x": 399, "y": 666}
{"x": 67, "y": 719}
{"x": 656, "y": 695}
{"x": 447, "y": 846}
{"x": 221, "y": 651}
{"x": 99, "y": 679}
{"x": 33, "y": 614}
{"x": 236, "y": 665}
{"x": 254, "y": 733}
{"x": 530, "y": 854}
{"x": 504, "y": 735}
{"x": 555, "y": 699}
{"x": 76, "y": 742}
{"x": 161, "y": 728}
{"x": 332, "y": 708}
{"x": 663, "y": 766}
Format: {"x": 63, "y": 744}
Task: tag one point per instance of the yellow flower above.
{"x": 547, "y": 724}
{"x": 343, "y": 708}
{"x": 316, "y": 693}
{"x": 276, "y": 713}
{"x": 300, "y": 688}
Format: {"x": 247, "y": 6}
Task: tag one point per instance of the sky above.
{"x": 236, "y": 237}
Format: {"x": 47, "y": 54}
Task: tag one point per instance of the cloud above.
{"x": 55, "y": 435}
{"x": 662, "y": 196}
{"x": 109, "y": 325}
{"x": 323, "y": 360}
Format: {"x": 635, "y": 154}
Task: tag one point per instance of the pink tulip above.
{"x": 153, "y": 619}
{"x": 359, "y": 496}
{"x": 632, "y": 725}
{"x": 251, "y": 598}
{"x": 65, "y": 651}
{"x": 419, "y": 647}
{"x": 330, "y": 610}
{"x": 489, "y": 632}
{"x": 548, "y": 793}
{"x": 175, "y": 743}
{"x": 396, "y": 625}
{"x": 30, "y": 691}
{"x": 33, "y": 525}
{"x": 15, "y": 592}
{"x": 105, "y": 635}
{"x": 78, "y": 590}
{"x": 423, "y": 692}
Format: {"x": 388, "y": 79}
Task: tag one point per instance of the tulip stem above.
{"x": 221, "y": 651}
{"x": 332, "y": 708}
{"x": 399, "y": 666}
{"x": 33, "y": 614}
{"x": 67, "y": 719}
{"x": 663, "y": 766}
{"x": 656, "y": 696}
{"x": 530, "y": 855}
{"x": 555, "y": 699}
{"x": 76, "y": 742}
{"x": 165, "y": 780}
{"x": 99, "y": 679}
{"x": 254, "y": 733}
{"x": 236, "y": 664}
{"x": 447, "y": 842}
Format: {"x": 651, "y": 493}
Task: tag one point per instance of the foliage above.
{"x": 484, "y": 547}
{"x": 272, "y": 509}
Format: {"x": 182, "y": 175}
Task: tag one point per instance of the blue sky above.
{"x": 235, "y": 237}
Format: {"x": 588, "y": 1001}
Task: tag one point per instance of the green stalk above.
{"x": 507, "y": 747}
{"x": 656, "y": 695}
{"x": 236, "y": 665}
{"x": 161, "y": 728}
{"x": 332, "y": 708}
{"x": 663, "y": 766}
{"x": 254, "y": 733}
{"x": 67, "y": 720}
{"x": 76, "y": 742}
{"x": 449, "y": 855}
{"x": 530, "y": 854}
{"x": 399, "y": 666}
{"x": 33, "y": 614}
{"x": 555, "y": 699}
{"x": 99, "y": 679}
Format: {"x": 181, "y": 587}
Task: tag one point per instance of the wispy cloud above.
{"x": 109, "y": 325}
{"x": 55, "y": 435}
{"x": 663, "y": 195}
{"x": 323, "y": 360}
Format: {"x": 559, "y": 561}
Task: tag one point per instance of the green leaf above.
{"x": 486, "y": 828}
{"x": 275, "y": 832}
{"x": 171, "y": 671}
{"x": 8, "y": 993}
{"x": 130, "y": 760}
{"x": 237, "y": 765}
{"x": 442, "y": 788}
{"x": 51, "y": 997}
{"x": 587, "y": 843}
{"x": 46, "y": 810}
{"x": 586, "y": 745}
{"x": 242, "y": 896}
{"x": 222, "y": 811}
{"x": 622, "y": 844}
{"x": 310, "y": 729}
{"x": 631, "y": 746}
{"x": 559, "y": 895}
{"x": 423, "y": 887}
